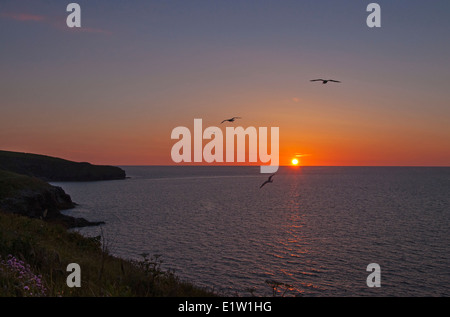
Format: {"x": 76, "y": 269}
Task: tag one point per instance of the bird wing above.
{"x": 270, "y": 178}
{"x": 335, "y": 81}
{"x": 263, "y": 184}
{"x": 317, "y": 80}
{"x": 223, "y": 121}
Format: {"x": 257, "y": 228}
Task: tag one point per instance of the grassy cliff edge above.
{"x": 36, "y": 247}
{"x": 34, "y": 256}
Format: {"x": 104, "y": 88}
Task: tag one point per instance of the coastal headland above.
{"x": 24, "y": 187}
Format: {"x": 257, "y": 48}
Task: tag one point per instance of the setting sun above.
{"x": 294, "y": 161}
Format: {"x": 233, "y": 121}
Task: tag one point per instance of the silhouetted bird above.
{"x": 230, "y": 120}
{"x": 270, "y": 180}
{"x": 324, "y": 81}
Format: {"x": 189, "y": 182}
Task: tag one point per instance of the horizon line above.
{"x": 298, "y": 166}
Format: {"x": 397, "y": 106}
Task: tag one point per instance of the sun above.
{"x": 294, "y": 161}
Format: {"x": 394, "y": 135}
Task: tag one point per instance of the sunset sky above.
{"x": 112, "y": 91}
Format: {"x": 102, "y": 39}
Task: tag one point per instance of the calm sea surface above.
{"x": 314, "y": 228}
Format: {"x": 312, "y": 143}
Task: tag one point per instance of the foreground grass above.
{"x": 34, "y": 256}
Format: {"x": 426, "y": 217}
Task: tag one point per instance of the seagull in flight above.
{"x": 230, "y": 120}
{"x": 324, "y": 81}
{"x": 270, "y": 180}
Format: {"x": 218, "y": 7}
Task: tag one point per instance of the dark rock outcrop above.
{"x": 44, "y": 203}
{"x": 34, "y": 198}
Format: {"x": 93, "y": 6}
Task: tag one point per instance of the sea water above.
{"x": 312, "y": 232}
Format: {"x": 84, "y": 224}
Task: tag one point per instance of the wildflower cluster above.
{"x": 25, "y": 282}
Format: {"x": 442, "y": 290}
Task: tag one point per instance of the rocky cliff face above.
{"x": 24, "y": 189}
{"x": 35, "y": 198}
{"x": 42, "y": 203}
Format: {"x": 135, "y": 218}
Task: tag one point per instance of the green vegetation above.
{"x": 56, "y": 169}
{"x": 34, "y": 256}
{"x": 36, "y": 248}
{"x": 12, "y": 183}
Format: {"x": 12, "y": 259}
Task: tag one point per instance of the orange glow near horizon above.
{"x": 151, "y": 150}
{"x": 328, "y": 138}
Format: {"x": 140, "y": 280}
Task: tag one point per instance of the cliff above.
{"x": 34, "y": 198}
{"x": 54, "y": 169}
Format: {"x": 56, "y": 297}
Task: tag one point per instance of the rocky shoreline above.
{"x": 44, "y": 203}
{"x": 24, "y": 189}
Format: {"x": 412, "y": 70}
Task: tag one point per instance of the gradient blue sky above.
{"x": 111, "y": 92}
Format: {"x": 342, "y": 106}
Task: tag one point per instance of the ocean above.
{"x": 312, "y": 232}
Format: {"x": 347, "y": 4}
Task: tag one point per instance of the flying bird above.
{"x": 230, "y": 120}
{"x": 324, "y": 81}
{"x": 270, "y": 180}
